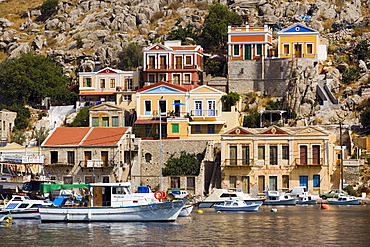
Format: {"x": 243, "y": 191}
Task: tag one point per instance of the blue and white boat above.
{"x": 237, "y": 206}
{"x": 114, "y": 203}
{"x": 22, "y": 207}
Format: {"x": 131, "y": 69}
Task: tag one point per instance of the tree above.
{"x": 49, "y": 8}
{"x": 230, "y": 99}
{"x": 185, "y": 164}
{"x": 252, "y": 120}
{"x": 183, "y": 34}
{"x": 216, "y": 25}
{"x": 23, "y": 114}
{"x": 365, "y": 118}
{"x": 30, "y": 78}
{"x": 131, "y": 57}
{"x": 362, "y": 49}
{"x": 82, "y": 118}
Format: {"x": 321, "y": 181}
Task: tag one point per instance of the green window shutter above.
{"x": 175, "y": 128}
{"x": 259, "y": 49}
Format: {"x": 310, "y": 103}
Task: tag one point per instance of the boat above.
{"x": 186, "y": 211}
{"x": 218, "y": 196}
{"x": 275, "y": 198}
{"x": 237, "y": 205}
{"x": 22, "y": 207}
{"x": 345, "y": 200}
{"x": 306, "y": 199}
{"x": 114, "y": 202}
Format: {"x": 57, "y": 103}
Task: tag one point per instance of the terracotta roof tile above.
{"x": 67, "y": 136}
{"x": 86, "y": 136}
{"x": 105, "y": 136}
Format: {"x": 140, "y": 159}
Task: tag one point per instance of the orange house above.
{"x": 246, "y": 43}
{"x": 173, "y": 63}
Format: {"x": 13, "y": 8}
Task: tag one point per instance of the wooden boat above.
{"x": 22, "y": 207}
{"x": 218, "y": 196}
{"x": 114, "y": 203}
{"x": 345, "y": 200}
{"x": 275, "y": 198}
{"x": 237, "y": 205}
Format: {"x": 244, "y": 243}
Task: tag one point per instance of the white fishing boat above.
{"x": 275, "y": 198}
{"x": 22, "y": 207}
{"x": 345, "y": 200}
{"x": 218, "y": 196}
{"x": 164, "y": 211}
{"x": 114, "y": 202}
{"x": 306, "y": 199}
{"x": 237, "y": 205}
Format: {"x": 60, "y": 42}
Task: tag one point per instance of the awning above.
{"x": 45, "y": 188}
{"x": 149, "y": 121}
{"x": 206, "y": 122}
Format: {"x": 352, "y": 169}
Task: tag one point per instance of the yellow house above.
{"x": 300, "y": 41}
{"x": 187, "y": 112}
{"x": 108, "y": 85}
{"x": 274, "y": 158}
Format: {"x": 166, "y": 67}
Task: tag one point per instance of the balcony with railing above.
{"x": 308, "y": 162}
{"x": 204, "y": 113}
{"x": 238, "y": 162}
{"x": 172, "y": 66}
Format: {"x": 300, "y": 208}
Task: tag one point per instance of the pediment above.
{"x": 205, "y": 89}
{"x": 311, "y": 131}
{"x": 106, "y": 107}
{"x": 298, "y": 28}
{"x": 239, "y": 131}
{"x": 107, "y": 71}
{"x": 157, "y": 47}
{"x": 273, "y": 130}
{"x": 162, "y": 89}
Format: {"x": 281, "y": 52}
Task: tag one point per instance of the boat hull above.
{"x": 206, "y": 204}
{"x": 166, "y": 211}
{"x": 25, "y": 214}
{"x": 352, "y": 202}
{"x": 186, "y": 211}
{"x": 307, "y": 202}
{"x": 247, "y": 208}
{"x": 287, "y": 202}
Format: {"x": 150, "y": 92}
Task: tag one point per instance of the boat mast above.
{"x": 160, "y": 146}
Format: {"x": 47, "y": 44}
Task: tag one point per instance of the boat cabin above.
{"x": 115, "y": 195}
{"x": 24, "y": 202}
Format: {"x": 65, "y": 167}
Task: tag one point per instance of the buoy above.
{"x": 200, "y": 211}
{"x": 324, "y": 206}
{"x": 218, "y": 212}
{"x": 273, "y": 210}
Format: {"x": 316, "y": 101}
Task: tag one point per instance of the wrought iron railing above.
{"x": 238, "y": 162}
{"x": 308, "y": 162}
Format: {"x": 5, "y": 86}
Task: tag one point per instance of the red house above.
{"x": 173, "y": 63}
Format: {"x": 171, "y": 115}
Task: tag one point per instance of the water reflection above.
{"x": 289, "y": 226}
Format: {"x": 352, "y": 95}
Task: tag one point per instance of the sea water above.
{"x": 285, "y": 226}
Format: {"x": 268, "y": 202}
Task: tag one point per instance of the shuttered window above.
{"x": 175, "y": 128}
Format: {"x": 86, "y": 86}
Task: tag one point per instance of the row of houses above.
{"x": 167, "y": 108}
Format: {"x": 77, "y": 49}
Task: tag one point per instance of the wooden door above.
{"x": 303, "y": 155}
{"x": 316, "y": 155}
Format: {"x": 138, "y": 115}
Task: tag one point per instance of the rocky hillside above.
{"x": 84, "y": 31}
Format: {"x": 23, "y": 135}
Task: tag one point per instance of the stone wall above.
{"x": 247, "y": 76}
{"x": 149, "y": 158}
